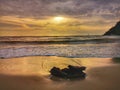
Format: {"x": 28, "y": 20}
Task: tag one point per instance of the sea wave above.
{"x": 86, "y": 50}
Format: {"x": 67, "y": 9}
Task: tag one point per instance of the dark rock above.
{"x": 57, "y": 72}
{"x": 114, "y": 30}
{"x": 69, "y": 73}
{"x": 76, "y": 68}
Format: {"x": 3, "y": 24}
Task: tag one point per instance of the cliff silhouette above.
{"x": 114, "y": 30}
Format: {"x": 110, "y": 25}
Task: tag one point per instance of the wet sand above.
{"x": 31, "y": 73}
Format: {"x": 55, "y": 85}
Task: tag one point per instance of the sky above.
{"x": 37, "y": 17}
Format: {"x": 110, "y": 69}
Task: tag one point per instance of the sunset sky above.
{"x": 57, "y": 17}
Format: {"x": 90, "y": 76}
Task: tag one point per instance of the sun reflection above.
{"x": 42, "y": 65}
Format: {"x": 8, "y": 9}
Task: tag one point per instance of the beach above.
{"x": 59, "y": 44}
{"x": 32, "y": 73}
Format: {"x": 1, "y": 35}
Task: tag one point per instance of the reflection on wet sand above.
{"x": 43, "y": 64}
{"x": 29, "y": 73}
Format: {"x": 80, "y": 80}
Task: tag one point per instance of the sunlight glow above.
{"x": 58, "y": 19}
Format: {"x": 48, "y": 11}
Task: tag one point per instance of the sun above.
{"x": 58, "y": 19}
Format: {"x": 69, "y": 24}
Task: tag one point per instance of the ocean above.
{"x": 63, "y": 46}
{"x": 25, "y": 62}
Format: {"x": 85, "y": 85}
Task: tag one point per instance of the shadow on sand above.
{"x": 19, "y": 82}
{"x": 116, "y": 60}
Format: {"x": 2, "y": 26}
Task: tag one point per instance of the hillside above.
{"x": 114, "y": 30}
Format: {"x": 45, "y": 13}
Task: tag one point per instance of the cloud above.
{"x": 3, "y": 24}
{"x": 41, "y": 8}
{"x": 10, "y": 21}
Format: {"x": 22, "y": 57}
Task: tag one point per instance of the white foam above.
{"x": 78, "y": 50}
